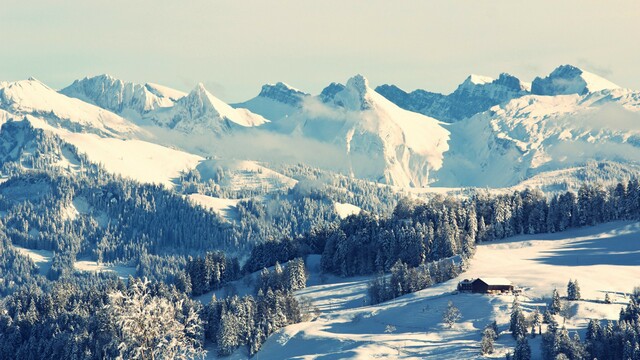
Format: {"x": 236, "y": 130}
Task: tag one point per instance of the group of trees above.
{"x": 203, "y": 274}
{"x": 291, "y": 278}
{"x": 604, "y": 339}
{"x": 248, "y": 321}
{"x": 404, "y": 279}
{"x": 573, "y": 290}
{"x": 98, "y": 318}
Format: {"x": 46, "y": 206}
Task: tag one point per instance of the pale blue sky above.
{"x": 236, "y": 46}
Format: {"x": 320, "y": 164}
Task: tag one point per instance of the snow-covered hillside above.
{"x": 411, "y": 327}
{"x": 106, "y": 138}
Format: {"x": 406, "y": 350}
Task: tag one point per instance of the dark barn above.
{"x": 491, "y": 285}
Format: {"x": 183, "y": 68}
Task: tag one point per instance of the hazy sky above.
{"x": 234, "y": 47}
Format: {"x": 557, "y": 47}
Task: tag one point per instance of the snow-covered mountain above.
{"x": 476, "y": 94}
{"x": 196, "y": 112}
{"x": 275, "y": 101}
{"x": 122, "y": 97}
{"x": 381, "y": 141}
{"x": 508, "y": 133}
{"x": 568, "y": 79}
{"x": 201, "y": 113}
{"x": 116, "y": 143}
{"x": 33, "y": 98}
{"x": 536, "y": 133}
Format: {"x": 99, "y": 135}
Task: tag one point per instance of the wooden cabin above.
{"x": 487, "y": 285}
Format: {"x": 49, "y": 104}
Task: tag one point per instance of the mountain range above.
{"x": 488, "y": 132}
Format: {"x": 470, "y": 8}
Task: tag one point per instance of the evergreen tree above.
{"x": 573, "y": 290}
{"x": 296, "y": 275}
{"x": 555, "y": 306}
{"x": 576, "y": 290}
{"x": 488, "y": 338}
{"x": 522, "y": 350}
{"x": 517, "y": 325}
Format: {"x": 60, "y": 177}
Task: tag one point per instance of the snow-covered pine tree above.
{"x": 555, "y": 306}
{"x": 517, "y": 324}
{"x": 488, "y": 338}
{"x": 576, "y": 290}
{"x": 522, "y": 350}
{"x": 296, "y": 275}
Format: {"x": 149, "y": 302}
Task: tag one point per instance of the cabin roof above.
{"x": 495, "y": 281}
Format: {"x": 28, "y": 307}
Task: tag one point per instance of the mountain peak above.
{"x": 281, "y": 86}
{"x": 353, "y": 96}
{"x": 478, "y": 79}
{"x": 283, "y": 93}
{"x": 358, "y": 83}
{"x": 201, "y": 111}
{"x": 199, "y": 89}
{"x": 569, "y": 79}
{"x": 329, "y": 92}
{"x": 117, "y": 95}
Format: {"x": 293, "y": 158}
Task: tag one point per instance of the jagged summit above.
{"x": 359, "y": 83}
{"x": 198, "y": 102}
{"x": 283, "y": 93}
{"x": 275, "y": 101}
{"x": 201, "y": 112}
{"x": 380, "y": 140}
{"x": 568, "y": 79}
{"x": 475, "y": 94}
{"x": 489, "y": 87}
{"x": 479, "y": 79}
{"x": 33, "y": 98}
{"x": 120, "y": 96}
{"x": 355, "y": 95}
{"x": 330, "y": 91}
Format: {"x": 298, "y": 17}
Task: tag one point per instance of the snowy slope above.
{"x": 410, "y": 327}
{"x": 133, "y": 158}
{"x": 382, "y": 142}
{"x": 226, "y": 208}
{"x": 344, "y": 209}
{"x": 243, "y": 175}
{"x": 139, "y": 160}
